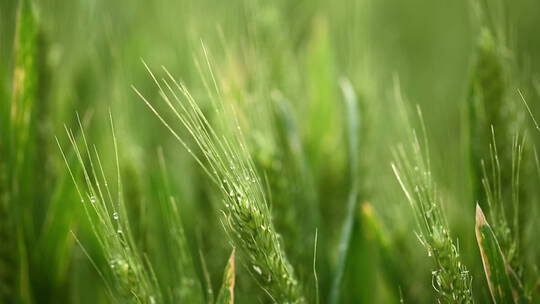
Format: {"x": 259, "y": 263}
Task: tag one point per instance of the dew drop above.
{"x": 115, "y": 215}
{"x": 120, "y": 231}
{"x": 92, "y": 199}
{"x": 257, "y": 269}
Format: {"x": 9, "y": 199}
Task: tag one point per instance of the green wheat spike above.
{"x": 229, "y": 165}
{"x": 412, "y": 168}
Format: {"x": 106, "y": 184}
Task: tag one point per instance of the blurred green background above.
{"x": 91, "y": 54}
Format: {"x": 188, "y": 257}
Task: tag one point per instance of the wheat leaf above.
{"x": 226, "y": 293}
{"x": 493, "y": 260}
{"x": 351, "y": 105}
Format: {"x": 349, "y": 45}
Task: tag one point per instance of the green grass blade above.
{"x": 351, "y": 105}
{"x": 494, "y": 264}
{"x": 17, "y": 156}
{"x": 226, "y": 293}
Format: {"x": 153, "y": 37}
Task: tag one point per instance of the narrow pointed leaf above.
{"x": 494, "y": 263}
{"x": 226, "y": 293}
{"x": 351, "y": 105}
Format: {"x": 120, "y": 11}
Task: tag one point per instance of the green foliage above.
{"x": 273, "y": 164}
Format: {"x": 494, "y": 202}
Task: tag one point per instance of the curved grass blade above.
{"x": 351, "y": 104}
{"x": 485, "y": 106}
{"x": 493, "y": 260}
{"x": 226, "y": 293}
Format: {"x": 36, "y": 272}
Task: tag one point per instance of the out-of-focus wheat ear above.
{"x": 495, "y": 265}
{"x": 226, "y": 293}
{"x": 293, "y": 194}
{"x": 351, "y": 106}
{"x": 484, "y": 104}
{"x": 321, "y": 92}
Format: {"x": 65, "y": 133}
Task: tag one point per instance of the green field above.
{"x": 347, "y": 151}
